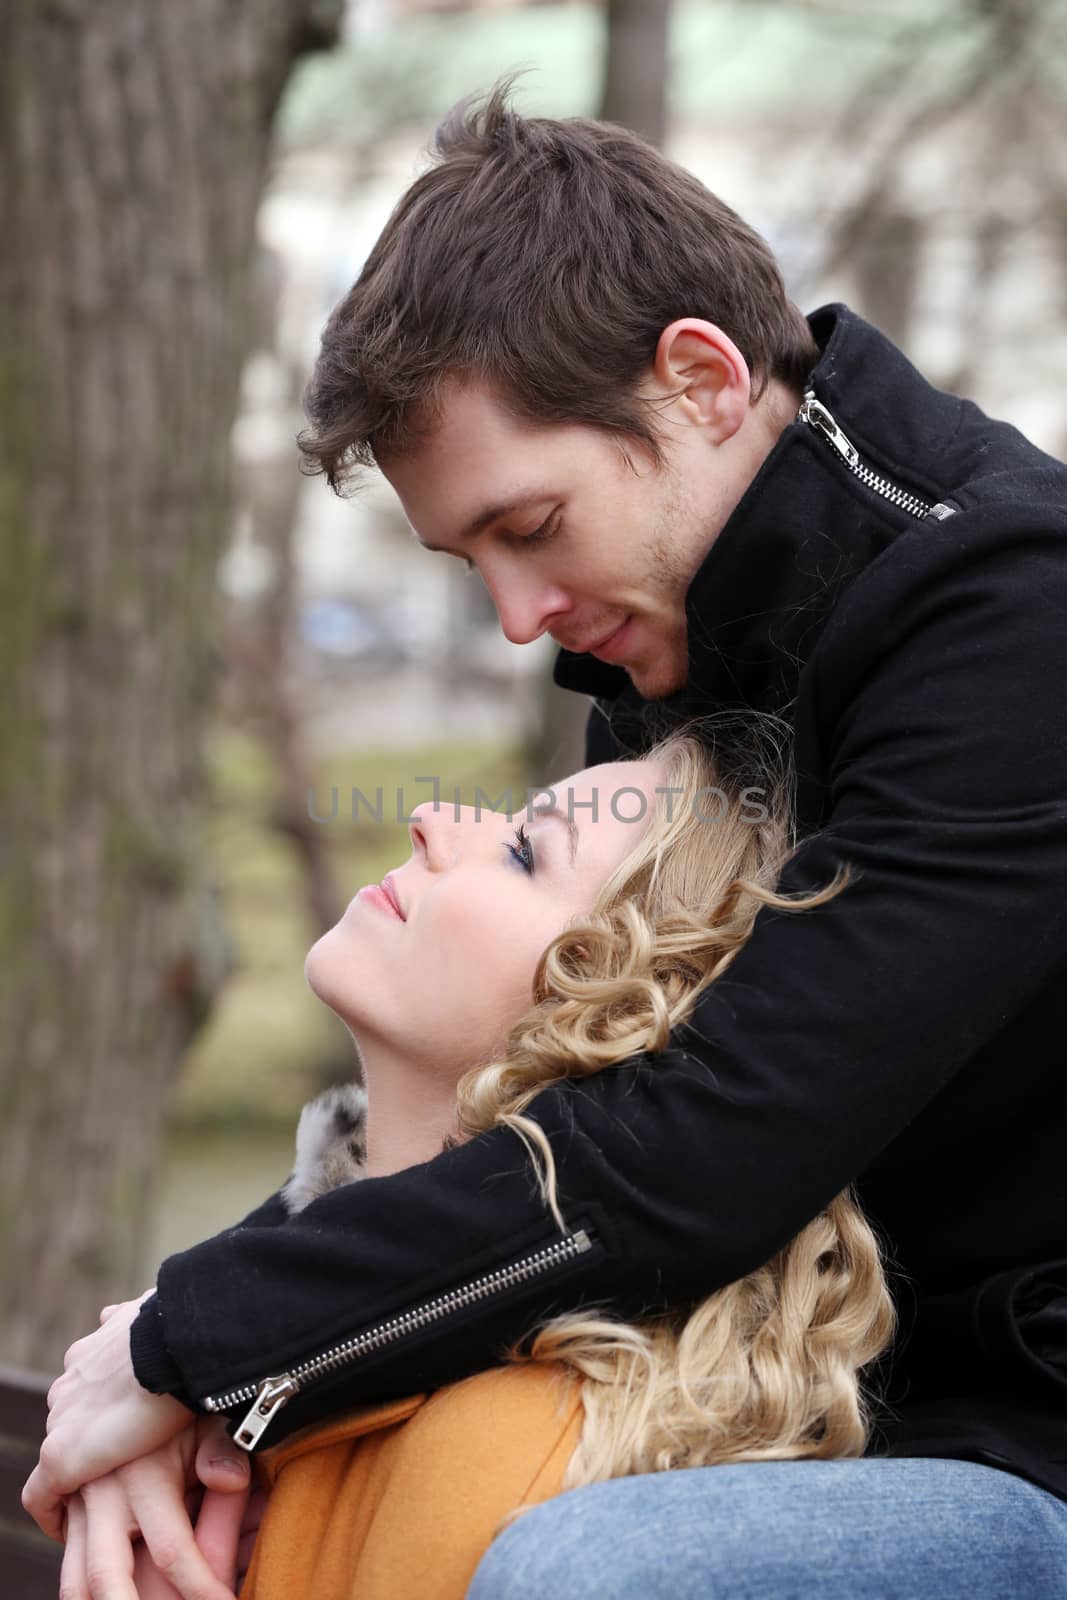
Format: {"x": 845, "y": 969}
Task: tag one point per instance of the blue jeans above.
{"x": 859, "y": 1529}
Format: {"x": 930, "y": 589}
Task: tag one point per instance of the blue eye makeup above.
{"x": 524, "y": 854}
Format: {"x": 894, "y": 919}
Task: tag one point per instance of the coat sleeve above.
{"x": 940, "y": 684}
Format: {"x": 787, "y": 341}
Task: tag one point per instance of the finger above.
{"x": 253, "y": 1516}
{"x": 245, "y": 1546}
{"x": 107, "y": 1311}
{"x": 147, "y": 1579}
{"x": 220, "y": 1465}
{"x": 218, "y": 1530}
{"x": 108, "y": 1554}
{"x": 160, "y": 1513}
{"x": 44, "y": 1503}
{"x": 73, "y": 1582}
{"x": 257, "y": 1504}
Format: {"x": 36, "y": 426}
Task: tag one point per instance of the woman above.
{"x": 612, "y": 927}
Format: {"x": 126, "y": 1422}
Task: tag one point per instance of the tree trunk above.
{"x": 886, "y": 259}
{"x": 635, "y": 66}
{"x": 133, "y": 142}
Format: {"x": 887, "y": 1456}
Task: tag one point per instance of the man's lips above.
{"x": 615, "y": 646}
{"x": 595, "y": 646}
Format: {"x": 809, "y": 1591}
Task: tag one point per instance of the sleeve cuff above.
{"x": 153, "y": 1365}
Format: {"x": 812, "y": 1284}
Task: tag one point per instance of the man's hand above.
{"x": 99, "y": 1419}
{"x": 146, "y": 1501}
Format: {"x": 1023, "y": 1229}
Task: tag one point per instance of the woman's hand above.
{"x": 145, "y": 1501}
{"x": 99, "y": 1418}
{"x": 254, "y": 1509}
{"x": 218, "y": 1534}
{"x": 116, "y": 1467}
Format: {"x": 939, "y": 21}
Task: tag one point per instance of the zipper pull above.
{"x": 271, "y": 1395}
{"x": 815, "y": 414}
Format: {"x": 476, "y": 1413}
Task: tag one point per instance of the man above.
{"x": 582, "y": 376}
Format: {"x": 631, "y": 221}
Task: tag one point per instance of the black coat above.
{"x": 908, "y": 612}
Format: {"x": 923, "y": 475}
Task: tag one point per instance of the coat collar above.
{"x": 348, "y": 1425}
{"x": 794, "y": 542}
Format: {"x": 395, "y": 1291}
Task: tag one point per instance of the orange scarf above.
{"x": 404, "y": 1499}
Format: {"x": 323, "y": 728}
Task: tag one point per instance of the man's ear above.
{"x": 701, "y": 366}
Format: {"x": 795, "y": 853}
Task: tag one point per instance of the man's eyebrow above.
{"x": 491, "y": 514}
{"x": 560, "y": 816}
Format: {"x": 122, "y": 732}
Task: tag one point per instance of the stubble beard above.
{"x": 669, "y": 576}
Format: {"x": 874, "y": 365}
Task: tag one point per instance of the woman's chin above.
{"x": 313, "y": 966}
{"x": 332, "y": 977}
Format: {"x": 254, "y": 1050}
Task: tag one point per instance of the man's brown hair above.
{"x": 543, "y": 258}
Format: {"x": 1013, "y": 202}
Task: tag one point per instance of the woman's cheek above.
{"x": 460, "y": 944}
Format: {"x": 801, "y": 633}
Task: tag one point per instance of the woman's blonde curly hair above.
{"x": 768, "y": 1367}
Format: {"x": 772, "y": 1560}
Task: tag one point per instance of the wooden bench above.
{"x": 29, "y": 1563}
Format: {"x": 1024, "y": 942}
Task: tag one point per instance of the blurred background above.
{"x": 210, "y": 666}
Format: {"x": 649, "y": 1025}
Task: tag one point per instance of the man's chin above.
{"x": 656, "y": 683}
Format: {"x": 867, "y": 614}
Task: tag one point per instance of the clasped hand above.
{"x": 120, "y": 1465}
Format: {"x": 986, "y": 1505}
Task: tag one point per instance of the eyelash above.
{"x": 524, "y": 854}
{"x": 541, "y": 535}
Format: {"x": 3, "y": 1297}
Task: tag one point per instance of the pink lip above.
{"x": 379, "y": 895}
{"x": 389, "y": 886}
{"x": 614, "y": 647}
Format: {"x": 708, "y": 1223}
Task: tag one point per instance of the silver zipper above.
{"x": 271, "y": 1394}
{"x": 815, "y": 414}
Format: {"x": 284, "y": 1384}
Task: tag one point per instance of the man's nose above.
{"x": 525, "y": 607}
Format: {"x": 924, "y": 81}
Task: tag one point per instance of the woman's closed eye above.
{"x": 524, "y": 853}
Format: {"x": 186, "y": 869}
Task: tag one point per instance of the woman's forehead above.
{"x": 607, "y": 775}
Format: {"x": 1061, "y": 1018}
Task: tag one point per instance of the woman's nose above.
{"x": 422, "y": 830}
{"x": 441, "y": 830}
